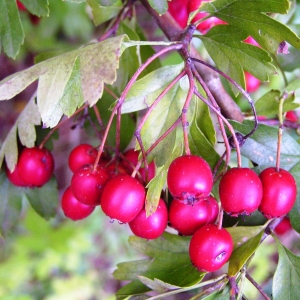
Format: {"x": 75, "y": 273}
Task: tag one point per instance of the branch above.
{"x": 173, "y": 32}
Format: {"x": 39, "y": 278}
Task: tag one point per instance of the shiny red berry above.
{"x": 189, "y": 178}
{"x": 123, "y": 198}
{"x": 186, "y": 218}
{"x": 87, "y": 184}
{"x": 210, "y": 248}
{"x": 279, "y": 192}
{"x": 72, "y": 208}
{"x": 153, "y": 226}
{"x": 35, "y": 166}
{"x": 83, "y": 154}
{"x": 240, "y": 191}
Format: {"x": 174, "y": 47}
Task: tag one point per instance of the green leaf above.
{"x": 25, "y": 124}
{"x": 251, "y": 17}
{"x": 261, "y": 147}
{"x": 169, "y": 262}
{"x": 241, "y": 254}
{"x": 161, "y": 6}
{"x": 92, "y": 66}
{"x": 157, "y": 285}
{"x": 10, "y": 205}
{"x": 145, "y": 90}
{"x": 242, "y": 234}
{"x": 44, "y": 200}
{"x": 268, "y": 104}
{"x": 102, "y": 14}
{"x": 11, "y": 31}
{"x": 156, "y": 185}
{"x": 218, "y": 295}
{"x": 232, "y": 56}
{"x": 198, "y": 141}
{"x": 37, "y": 7}
{"x": 287, "y": 275}
{"x": 294, "y": 214}
{"x": 107, "y": 2}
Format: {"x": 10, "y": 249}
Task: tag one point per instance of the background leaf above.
{"x": 44, "y": 200}
{"x": 25, "y": 126}
{"x": 268, "y": 104}
{"x": 169, "y": 262}
{"x": 287, "y": 275}
{"x": 11, "y": 31}
{"x": 161, "y": 6}
{"x": 97, "y": 65}
{"x": 10, "y": 205}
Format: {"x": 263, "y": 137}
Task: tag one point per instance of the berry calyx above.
{"x": 153, "y": 226}
{"x": 187, "y": 218}
{"x": 279, "y": 192}
{"x": 87, "y": 184}
{"x": 240, "y": 191}
{"x": 123, "y": 198}
{"x": 210, "y": 248}
{"x": 189, "y": 178}
{"x": 83, "y": 154}
{"x": 35, "y": 166}
{"x": 72, "y": 208}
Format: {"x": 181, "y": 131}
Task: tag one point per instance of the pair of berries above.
{"x": 273, "y": 192}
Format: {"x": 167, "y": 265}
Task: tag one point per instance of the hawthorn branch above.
{"x": 174, "y": 32}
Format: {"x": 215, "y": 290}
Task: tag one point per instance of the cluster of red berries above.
{"x": 180, "y": 10}
{"x": 34, "y": 168}
{"x": 192, "y": 211}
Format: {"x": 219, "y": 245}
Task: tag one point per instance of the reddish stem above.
{"x": 126, "y": 90}
{"x": 59, "y": 125}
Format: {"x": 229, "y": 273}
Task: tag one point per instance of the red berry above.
{"x": 187, "y": 218}
{"x": 123, "y": 198}
{"x": 240, "y": 191}
{"x": 21, "y": 6}
{"x": 87, "y": 184}
{"x": 291, "y": 116}
{"x": 283, "y": 227}
{"x": 35, "y": 166}
{"x": 83, "y": 154}
{"x": 14, "y": 177}
{"x": 189, "y": 178}
{"x": 252, "y": 83}
{"x": 210, "y": 248}
{"x": 72, "y": 208}
{"x": 153, "y": 226}
{"x": 132, "y": 157}
{"x": 279, "y": 192}
{"x": 206, "y": 25}
{"x": 115, "y": 168}
{"x": 178, "y": 10}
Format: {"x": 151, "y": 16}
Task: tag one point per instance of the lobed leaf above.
{"x": 25, "y": 128}
{"x": 261, "y": 147}
{"x": 287, "y": 275}
{"x": 169, "y": 264}
{"x": 92, "y": 66}
{"x": 37, "y": 7}
{"x": 161, "y": 6}
{"x": 268, "y": 104}
{"x": 10, "y": 205}
{"x": 242, "y": 254}
{"x": 44, "y": 200}
{"x": 294, "y": 214}
{"x": 11, "y": 31}
{"x": 250, "y": 17}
